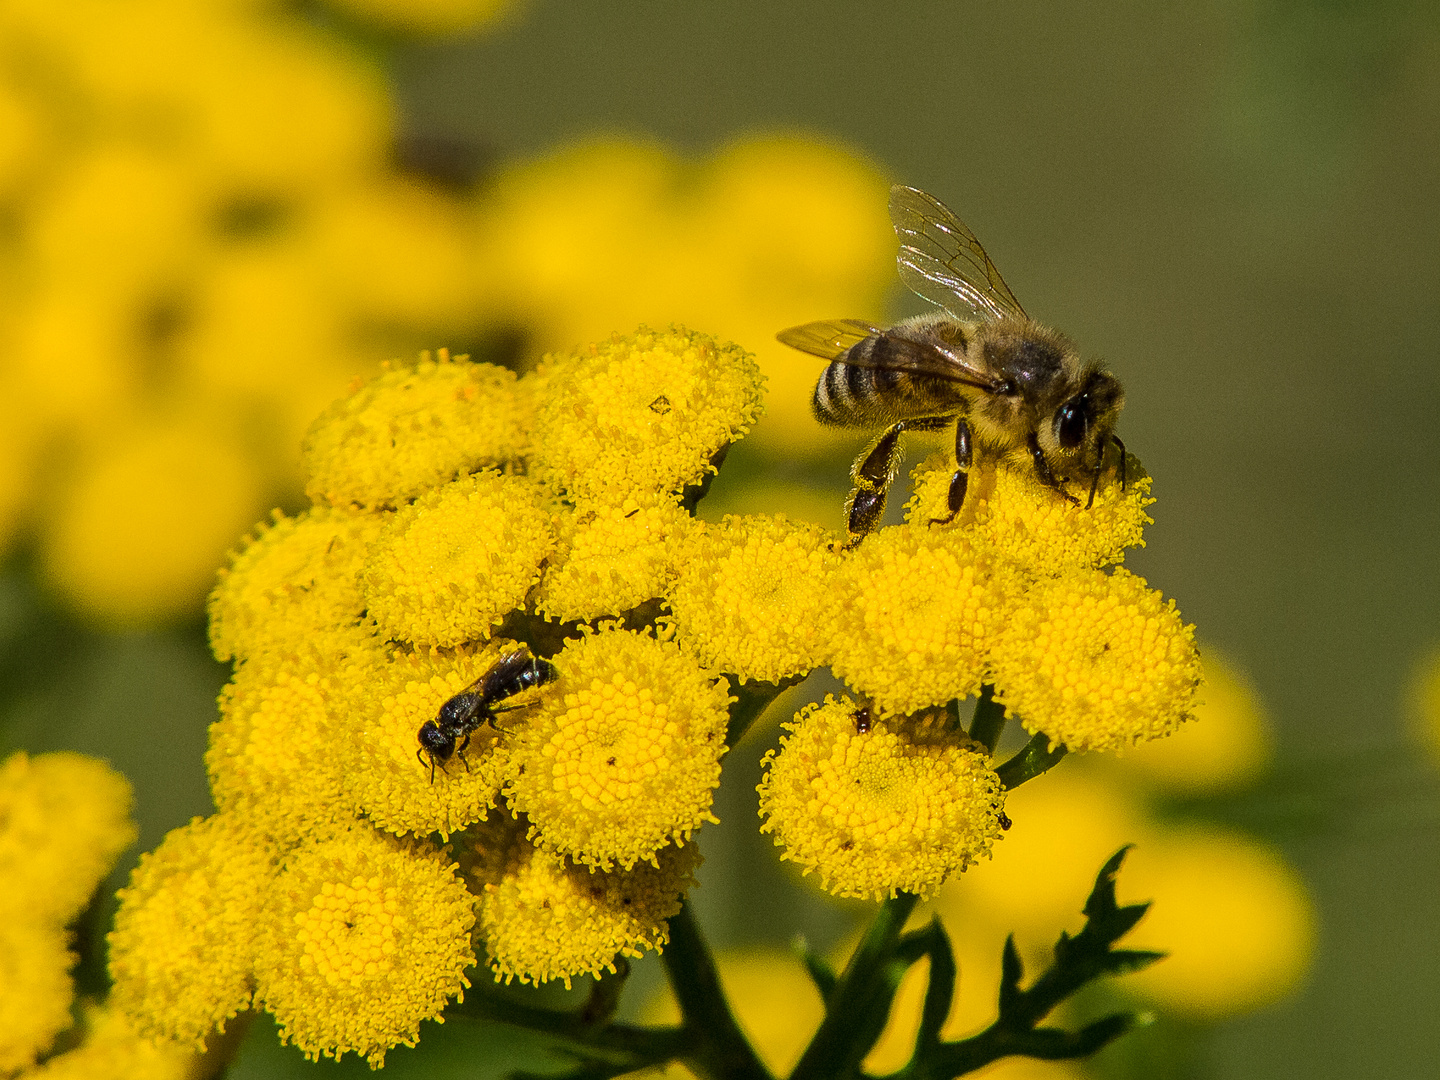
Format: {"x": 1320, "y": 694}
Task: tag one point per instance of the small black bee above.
{"x": 464, "y": 713}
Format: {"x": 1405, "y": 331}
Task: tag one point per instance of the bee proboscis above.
{"x": 1012, "y": 387}
{"x": 476, "y": 705}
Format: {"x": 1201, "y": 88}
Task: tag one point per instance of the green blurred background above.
{"x": 1236, "y": 204}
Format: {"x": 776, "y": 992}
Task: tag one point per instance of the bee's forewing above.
{"x": 942, "y": 261}
{"x": 829, "y": 338}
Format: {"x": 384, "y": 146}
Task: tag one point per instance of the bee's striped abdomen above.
{"x": 847, "y": 395}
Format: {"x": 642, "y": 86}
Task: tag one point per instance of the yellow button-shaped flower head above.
{"x": 1026, "y": 524}
{"x": 113, "y": 1049}
{"x": 451, "y": 565}
{"x": 755, "y": 597}
{"x": 624, "y": 755}
{"x": 615, "y": 556}
{"x": 1235, "y": 920}
{"x": 364, "y": 937}
{"x": 276, "y": 755}
{"x": 183, "y": 947}
{"x": 35, "y": 994}
{"x": 899, "y": 805}
{"x": 296, "y": 582}
{"x": 64, "y": 819}
{"x": 915, "y": 616}
{"x": 386, "y": 773}
{"x": 543, "y": 917}
{"x": 412, "y": 428}
{"x": 1097, "y": 661}
{"x": 643, "y": 413}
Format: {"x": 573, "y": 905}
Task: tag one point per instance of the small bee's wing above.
{"x": 941, "y": 260}
{"x": 500, "y": 675}
{"x": 829, "y": 338}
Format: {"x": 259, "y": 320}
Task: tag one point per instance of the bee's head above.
{"x": 1084, "y": 421}
{"x": 435, "y": 742}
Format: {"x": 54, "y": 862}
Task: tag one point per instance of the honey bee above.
{"x": 462, "y": 715}
{"x": 1013, "y": 389}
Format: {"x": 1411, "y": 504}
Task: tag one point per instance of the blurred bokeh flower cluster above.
{"x": 214, "y": 224}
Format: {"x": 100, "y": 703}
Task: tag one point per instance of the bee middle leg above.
{"x": 961, "y": 480}
{"x": 872, "y": 475}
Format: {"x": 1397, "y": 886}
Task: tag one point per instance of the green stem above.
{"x": 752, "y": 699}
{"x": 989, "y": 720}
{"x": 1034, "y": 758}
{"x": 716, "y": 1049}
{"x": 851, "y": 1009}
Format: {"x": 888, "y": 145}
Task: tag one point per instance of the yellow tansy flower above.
{"x": 275, "y": 756}
{"x": 755, "y": 597}
{"x": 1097, "y": 661}
{"x": 384, "y": 773}
{"x": 111, "y": 1050}
{"x": 134, "y": 536}
{"x": 295, "y": 582}
{"x": 623, "y": 756}
{"x": 615, "y": 556}
{"x": 1227, "y": 746}
{"x": 183, "y": 946}
{"x": 900, "y": 806}
{"x": 1235, "y": 919}
{"x": 542, "y": 917}
{"x": 411, "y": 428}
{"x": 1009, "y": 511}
{"x": 641, "y": 413}
{"x": 35, "y": 990}
{"x": 915, "y": 615}
{"x": 447, "y": 568}
{"x": 363, "y": 937}
{"x": 64, "y": 819}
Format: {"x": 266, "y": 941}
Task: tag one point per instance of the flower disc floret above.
{"x": 295, "y": 582}
{"x": 754, "y": 597}
{"x": 545, "y": 918}
{"x": 642, "y": 413}
{"x": 183, "y": 946}
{"x": 447, "y": 568}
{"x": 624, "y": 754}
{"x": 1037, "y": 530}
{"x": 915, "y": 615}
{"x": 388, "y": 777}
{"x": 413, "y": 427}
{"x": 1097, "y": 661}
{"x": 900, "y": 806}
{"x": 364, "y": 937}
{"x": 616, "y": 556}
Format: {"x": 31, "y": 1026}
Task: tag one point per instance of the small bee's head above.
{"x": 1083, "y": 422}
{"x": 435, "y": 742}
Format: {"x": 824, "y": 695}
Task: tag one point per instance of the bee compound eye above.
{"x": 1071, "y": 423}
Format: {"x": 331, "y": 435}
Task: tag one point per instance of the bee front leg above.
{"x": 1042, "y": 469}
{"x": 961, "y": 480}
{"x": 872, "y": 475}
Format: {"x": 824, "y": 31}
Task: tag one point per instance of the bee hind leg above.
{"x": 961, "y": 480}
{"x": 872, "y": 475}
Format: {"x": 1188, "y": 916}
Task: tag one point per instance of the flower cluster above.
{"x": 485, "y": 668}
{"x": 217, "y": 225}
{"x": 64, "y": 819}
